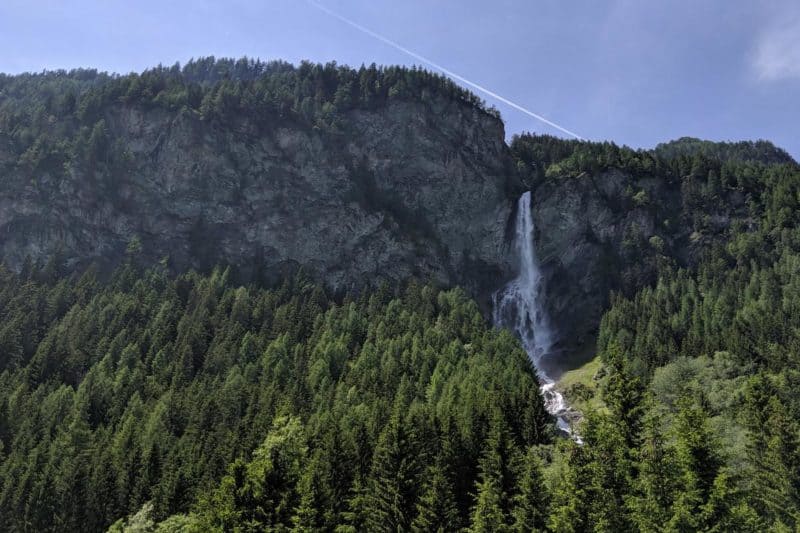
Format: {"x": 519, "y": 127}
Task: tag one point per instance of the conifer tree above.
{"x": 723, "y": 511}
{"x": 436, "y": 508}
{"x": 488, "y": 516}
{"x": 623, "y": 394}
{"x": 313, "y": 500}
{"x": 390, "y": 502}
{"x": 773, "y": 455}
{"x": 569, "y": 509}
{"x": 699, "y": 462}
{"x": 657, "y": 480}
{"x": 532, "y": 501}
{"x": 492, "y": 511}
{"x": 609, "y": 472}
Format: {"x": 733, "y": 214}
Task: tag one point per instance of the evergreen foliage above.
{"x": 146, "y": 402}
{"x": 152, "y": 397}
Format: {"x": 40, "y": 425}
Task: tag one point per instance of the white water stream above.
{"x": 518, "y": 307}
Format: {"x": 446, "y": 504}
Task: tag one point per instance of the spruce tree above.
{"x": 699, "y": 463}
{"x": 623, "y": 394}
{"x": 390, "y": 502}
{"x": 532, "y": 501}
{"x": 657, "y": 480}
{"x": 569, "y": 509}
{"x": 436, "y": 509}
{"x": 492, "y": 511}
{"x": 310, "y": 513}
{"x": 609, "y": 472}
{"x": 773, "y": 455}
{"x": 488, "y": 516}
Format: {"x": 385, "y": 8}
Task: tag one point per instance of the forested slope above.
{"x": 265, "y": 167}
{"x": 177, "y": 393}
{"x": 700, "y": 355}
{"x": 609, "y": 218}
{"x": 254, "y": 408}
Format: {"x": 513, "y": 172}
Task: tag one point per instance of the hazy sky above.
{"x": 633, "y": 71}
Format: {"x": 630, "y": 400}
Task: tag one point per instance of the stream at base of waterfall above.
{"x": 518, "y": 307}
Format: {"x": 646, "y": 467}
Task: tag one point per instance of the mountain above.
{"x": 238, "y": 295}
{"x": 611, "y": 219}
{"x": 357, "y": 176}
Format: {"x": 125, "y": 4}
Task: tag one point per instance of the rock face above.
{"x": 580, "y": 237}
{"x": 411, "y": 189}
{"x": 613, "y": 231}
{"x": 363, "y": 176}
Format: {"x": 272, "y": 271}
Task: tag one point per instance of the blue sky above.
{"x": 632, "y": 71}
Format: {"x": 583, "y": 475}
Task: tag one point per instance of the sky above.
{"x": 631, "y": 71}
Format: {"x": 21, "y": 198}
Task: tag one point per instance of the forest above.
{"x": 699, "y": 425}
{"x": 144, "y": 399}
{"x": 250, "y": 408}
{"x": 58, "y": 118}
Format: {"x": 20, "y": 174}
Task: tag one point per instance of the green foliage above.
{"x": 396, "y": 469}
{"x": 701, "y": 365}
{"x": 700, "y": 342}
{"x": 436, "y": 509}
{"x": 58, "y": 121}
{"x": 532, "y": 502}
{"x": 192, "y": 402}
{"x": 497, "y": 483}
{"x": 657, "y": 483}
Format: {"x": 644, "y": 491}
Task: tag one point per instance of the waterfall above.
{"x": 518, "y": 307}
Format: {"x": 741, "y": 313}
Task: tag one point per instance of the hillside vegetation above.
{"x": 263, "y": 167}
{"x": 210, "y": 319}
{"x": 700, "y": 345}
{"x": 253, "y": 408}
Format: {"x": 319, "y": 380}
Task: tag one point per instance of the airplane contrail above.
{"x": 440, "y": 68}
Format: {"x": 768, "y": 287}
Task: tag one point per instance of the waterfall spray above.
{"x": 518, "y": 307}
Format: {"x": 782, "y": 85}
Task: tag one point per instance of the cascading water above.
{"x": 518, "y": 307}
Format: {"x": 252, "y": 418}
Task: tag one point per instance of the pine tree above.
{"x": 609, "y": 472}
{"x": 773, "y": 455}
{"x": 310, "y": 513}
{"x": 723, "y": 512}
{"x": 531, "y": 504}
{"x": 494, "y": 495}
{"x": 488, "y": 515}
{"x": 699, "y": 462}
{"x": 393, "y": 480}
{"x": 569, "y": 509}
{"x": 436, "y": 509}
{"x": 623, "y": 394}
{"x": 657, "y": 481}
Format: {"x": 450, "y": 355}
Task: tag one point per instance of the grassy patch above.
{"x": 581, "y": 386}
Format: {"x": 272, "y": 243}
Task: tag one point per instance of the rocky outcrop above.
{"x": 355, "y": 176}
{"x": 613, "y": 231}
{"x": 579, "y": 238}
{"x": 409, "y": 189}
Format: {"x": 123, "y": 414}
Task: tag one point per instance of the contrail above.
{"x": 441, "y": 69}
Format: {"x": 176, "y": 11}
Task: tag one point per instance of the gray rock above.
{"x": 412, "y": 189}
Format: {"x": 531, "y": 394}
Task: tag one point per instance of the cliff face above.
{"x": 582, "y": 238}
{"x": 409, "y": 189}
{"x": 355, "y": 176}
{"x": 608, "y": 231}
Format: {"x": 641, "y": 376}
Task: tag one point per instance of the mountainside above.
{"x": 357, "y": 176}
{"x": 244, "y": 404}
{"x": 367, "y": 191}
{"x": 611, "y": 219}
{"x": 285, "y": 386}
